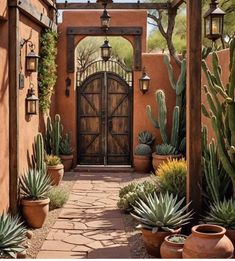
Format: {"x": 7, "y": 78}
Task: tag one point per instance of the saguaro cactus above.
{"x": 221, "y": 101}
{"x": 38, "y": 153}
{"x": 177, "y": 140}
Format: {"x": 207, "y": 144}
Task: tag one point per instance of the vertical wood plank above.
{"x": 193, "y": 96}
{"x": 137, "y": 52}
{"x": 70, "y": 53}
{"x": 13, "y": 106}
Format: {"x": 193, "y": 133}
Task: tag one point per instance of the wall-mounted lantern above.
{"x": 32, "y": 59}
{"x": 214, "y": 21}
{"x": 106, "y": 50}
{"x": 144, "y": 82}
{"x": 31, "y": 102}
{"x": 105, "y": 19}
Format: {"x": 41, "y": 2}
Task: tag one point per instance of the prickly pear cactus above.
{"x": 221, "y": 100}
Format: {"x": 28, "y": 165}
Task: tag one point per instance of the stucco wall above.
{"x": 224, "y": 62}
{"x": 4, "y": 110}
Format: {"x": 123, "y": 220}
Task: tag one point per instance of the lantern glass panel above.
{"x": 208, "y": 25}
{"x": 216, "y": 25}
{"x": 31, "y": 64}
{"x": 31, "y": 107}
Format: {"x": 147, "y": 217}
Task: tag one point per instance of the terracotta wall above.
{"x": 224, "y": 62}
{"x": 4, "y": 110}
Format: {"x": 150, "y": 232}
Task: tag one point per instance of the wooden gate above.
{"x": 104, "y": 120}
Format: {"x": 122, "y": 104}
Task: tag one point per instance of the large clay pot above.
{"x": 35, "y": 211}
{"x": 153, "y": 241}
{"x": 171, "y": 249}
{"x": 142, "y": 163}
{"x": 159, "y": 159}
{"x": 230, "y": 233}
{"x": 67, "y": 161}
{"x": 208, "y": 241}
{"x": 55, "y": 173}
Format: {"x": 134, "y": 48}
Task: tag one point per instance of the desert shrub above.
{"x": 58, "y": 197}
{"x": 171, "y": 177}
{"x": 132, "y": 192}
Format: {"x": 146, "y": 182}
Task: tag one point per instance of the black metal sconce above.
{"x": 144, "y": 82}
{"x": 105, "y": 19}
{"x": 106, "y": 50}
{"x": 214, "y": 22}
{"x": 31, "y": 101}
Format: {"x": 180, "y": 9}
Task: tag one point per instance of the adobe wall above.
{"x": 156, "y": 69}
{"x": 224, "y": 59}
{"x": 4, "y": 111}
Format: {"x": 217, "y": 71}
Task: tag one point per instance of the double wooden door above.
{"x": 104, "y": 120}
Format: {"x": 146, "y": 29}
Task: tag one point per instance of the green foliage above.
{"x": 132, "y": 192}
{"x": 58, "y": 197}
{"x": 166, "y": 149}
{"x": 145, "y": 137}
{"x": 171, "y": 177}
{"x": 12, "y": 235}
{"x": 178, "y": 132}
{"x": 163, "y": 212}
{"x": 177, "y": 239}
{"x": 53, "y": 135}
{"x": 216, "y": 180}
{"x": 52, "y": 160}
{"x": 222, "y": 214}
{"x": 39, "y": 153}
{"x": 65, "y": 145}
{"x": 35, "y": 184}
{"x": 143, "y": 149}
{"x": 221, "y": 101}
{"x": 47, "y": 68}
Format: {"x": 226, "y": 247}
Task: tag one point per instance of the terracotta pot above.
{"x": 35, "y": 211}
{"x": 67, "y": 161}
{"x": 142, "y": 163}
{"x": 208, "y": 241}
{"x": 55, "y": 173}
{"x": 158, "y": 159}
{"x": 170, "y": 249}
{"x": 153, "y": 241}
{"x": 230, "y": 233}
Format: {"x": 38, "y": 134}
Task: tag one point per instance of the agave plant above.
{"x": 163, "y": 212}
{"x": 145, "y": 137}
{"x": 65, "y": 146}
{"x": 35, "y": 184}
{"x": 52, "y": 160}
{"x": 222, "y": 214}
{"x": 12, "y": 235}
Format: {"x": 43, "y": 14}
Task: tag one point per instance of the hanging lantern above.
{"x": 32, "y": 60}
{"x": 31, "y": 102}
{"x": 214, "y": 21}
{"x": 105, "y": 19}
{"x": 144, "y": 82}
{"x": 106, "y": 50}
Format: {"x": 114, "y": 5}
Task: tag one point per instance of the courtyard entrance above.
{"x": 104, "y": 114}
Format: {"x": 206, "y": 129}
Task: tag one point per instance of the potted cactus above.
{"x": 12, "y": 236}
{"x": 172, "y": 147}
{"x": 55, "y": 169}
{"x": 142, "y": 156}
{"x": 66, "y": 152}
{"x": 35, "y": 186}
{"x": 160, "y": 216}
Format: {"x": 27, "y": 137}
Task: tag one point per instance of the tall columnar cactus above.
{"x": 53, "y": 135}
{"x": 221, "y": 100}
{"x": 178, "y": 132}
{"x": 38, "y": 153}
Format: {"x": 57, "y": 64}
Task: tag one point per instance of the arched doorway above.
{"x": 104, "y": 118}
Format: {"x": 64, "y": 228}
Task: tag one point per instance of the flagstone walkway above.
{"x": 90, "y": 224}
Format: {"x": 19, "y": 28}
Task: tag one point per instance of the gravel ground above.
{"x": 39, "y": 235}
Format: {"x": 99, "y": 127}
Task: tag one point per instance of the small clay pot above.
{"x": 153, "y": 241}
{"x": 35, "y": 211}
{"x": 55, "y": 173}
{"x": 208, "y": 241}
{"x": 159, "y": 159}
{"x": 171, "y": 249}
{"x": 67, "y": 161}
{"x": 142, "y": 163}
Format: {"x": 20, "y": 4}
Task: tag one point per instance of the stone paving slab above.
{"x": 90, "y": 225}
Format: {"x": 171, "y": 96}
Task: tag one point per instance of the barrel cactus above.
{"x": 178, "y": 132}
{"x": 221, "y": 100}
{"x": 143, "y": 149}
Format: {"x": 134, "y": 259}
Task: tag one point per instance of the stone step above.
{"x": 93, "y": 169}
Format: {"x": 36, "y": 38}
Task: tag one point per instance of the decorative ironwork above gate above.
{"x": 101, "y": 66}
